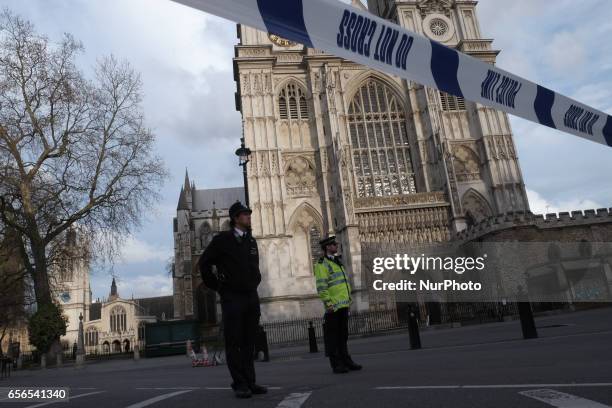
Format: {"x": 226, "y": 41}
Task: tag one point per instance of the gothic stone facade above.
{"x": 339, "y": 148}
{"x": 200, "y": 214}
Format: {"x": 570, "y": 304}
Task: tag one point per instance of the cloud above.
{"x": 540, "y": 205}
{"x": 566, "y": 53}
{"x": 136, "y": 251}
{"x": 144, "y": 286}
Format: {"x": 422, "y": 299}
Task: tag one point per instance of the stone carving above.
{"x": 252, "y": 52}
{"x": 417, "y": 225}
{"x": 297, "y": 58}
{"x": 246, "y": 86}
{"x": 348, "y": 202}
{"x": 257, "y": 87}
{"x": 304, "y": 219}
{"x": 427, "y": 7}
{"x": 436, "y": 197}
{"x": 264, "y": 168}
{"x": 300, "y": 177}
{"x": 275, "y": 163}
{"x": 510, "y": 146}
{"x": 475, "y": 207}
{"x": 268, "y": 83}
{"x": 330, "y": 84}
{"x": 467, "y": 163}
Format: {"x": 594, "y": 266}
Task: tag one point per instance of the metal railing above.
{"x": 365, "y": 323}
{"x": 296, "y": 330}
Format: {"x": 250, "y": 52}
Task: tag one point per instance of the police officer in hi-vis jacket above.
{"x": 335, "y": 291}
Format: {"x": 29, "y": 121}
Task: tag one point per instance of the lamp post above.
{"x": 243, "y": 154}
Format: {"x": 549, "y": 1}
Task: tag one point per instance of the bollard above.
{"x": 136, "y": 352}
{"x": 59, "y": 359}
{"x": 413, "y": 330}
{"x": 527, "y": 323}
{"x": 526, "y": 315}
{"x": 19, "y": 362}
{"x": 188, "y": 348}
{"x": 312, "y": 338}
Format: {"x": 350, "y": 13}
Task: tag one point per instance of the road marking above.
{"x": 168, "y": 388}
{"x": 294, "y": 400}
{"x": 229, "y": 388}
{"x": 70, "y": 399}
{"x": 162, "y": 397}
{"x": 418, "y": 387}
{"x": 426, "y": 387}
{"x": 561, "y": 399}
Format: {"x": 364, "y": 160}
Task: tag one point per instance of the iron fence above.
{"x": 365, "y": 323}
{"x": 296, "y": 331}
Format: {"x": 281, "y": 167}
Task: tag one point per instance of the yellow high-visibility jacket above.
{"x": 332, "y": 284}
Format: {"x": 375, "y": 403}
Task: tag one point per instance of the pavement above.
{"x": 490, "y": 365}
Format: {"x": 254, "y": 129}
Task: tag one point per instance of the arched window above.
{"x": 379, "y": 139}
{"x": 292, "y": 103}
{"x": 91, "y": 336}
{"x": 118, "y": 319}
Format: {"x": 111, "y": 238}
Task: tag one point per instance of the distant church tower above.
{"x": 113, "y": 292}
{"x": 200, "y": 214}
{"x": 340, "y": 148}
{"x": 72, "y": 288}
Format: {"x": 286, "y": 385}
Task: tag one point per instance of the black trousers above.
{"x": 336, "y": 327}
{"x": 240, "y": 323}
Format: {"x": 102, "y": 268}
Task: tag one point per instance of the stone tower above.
{"x": 340, "y": 148}
{"x": 71, "y": 285}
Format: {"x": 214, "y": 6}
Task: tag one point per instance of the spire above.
{"x": 113, "y": 292}
{"x": 182, "y": 204}
{"x": 187, "y": 183}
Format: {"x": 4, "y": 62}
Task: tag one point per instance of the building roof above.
{"x": 156, "y": 306}
{"x": 219, "y": 198}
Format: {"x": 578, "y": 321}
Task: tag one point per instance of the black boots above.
{"x": 258, "y": 389}
{"x": 351, "y": 365}
{"x": 340, "y": 369}
{"x": 344, "y": 365}
{"x": 244, "y": 391}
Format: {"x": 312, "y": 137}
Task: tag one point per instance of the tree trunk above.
{"x": 40, "y": 275}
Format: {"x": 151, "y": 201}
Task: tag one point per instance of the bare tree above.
{"x": 73, "y": 151}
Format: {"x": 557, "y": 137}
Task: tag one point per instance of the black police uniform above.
{"x": 237, "y": 260}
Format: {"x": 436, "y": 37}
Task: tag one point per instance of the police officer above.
{"x": 236, "y": 257}
{"x": 335, "y": 291}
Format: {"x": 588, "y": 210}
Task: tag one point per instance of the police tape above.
{"x": 364, "y": 38}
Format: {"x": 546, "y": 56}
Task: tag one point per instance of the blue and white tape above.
{"x": 359, "y": 36}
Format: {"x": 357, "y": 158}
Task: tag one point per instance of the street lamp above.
{"x": 243, "y": 154}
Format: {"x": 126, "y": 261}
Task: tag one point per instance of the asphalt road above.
{"x": 570, "y": 366}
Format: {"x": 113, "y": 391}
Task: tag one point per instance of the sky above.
{"x": 185, "y": 59}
